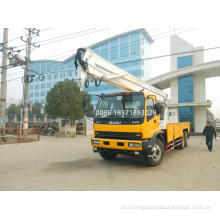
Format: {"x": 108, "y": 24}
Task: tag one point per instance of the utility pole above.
{"x": 26, "y": 75}
{"x": 4, "y": 78}
{"x": 27, "y": 72}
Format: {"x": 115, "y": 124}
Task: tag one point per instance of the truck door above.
{"x": 152, "y": 118}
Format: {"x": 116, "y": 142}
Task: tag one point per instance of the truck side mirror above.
{"x": 158, "y": 108}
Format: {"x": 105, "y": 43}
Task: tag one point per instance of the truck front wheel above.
{"x": 156, "y": 155}
{"x": 107, "y": 155}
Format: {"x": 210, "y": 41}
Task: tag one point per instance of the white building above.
{"x": 187, "y": 83}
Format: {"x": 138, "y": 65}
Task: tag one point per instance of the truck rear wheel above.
{"x": 108, "y": 155}
{"x": 185, "y": 139}
{"x": 156, "y": 155}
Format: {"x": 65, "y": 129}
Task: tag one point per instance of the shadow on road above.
{"x": 71, "y": 166}
{"x": 90, "y": 163}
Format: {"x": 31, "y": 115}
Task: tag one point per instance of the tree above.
{"x": 36, "y": 110}
{"x": 88, "y": 107}
{"x": 12, "y": 111}
{"x": 65, "y": 100}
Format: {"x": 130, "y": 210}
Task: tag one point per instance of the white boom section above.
{"x": 98, "y": 68}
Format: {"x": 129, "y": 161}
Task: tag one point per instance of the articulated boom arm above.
{"x": 91, "y": 67}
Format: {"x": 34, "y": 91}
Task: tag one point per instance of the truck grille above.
{"x": 117, "y": 135}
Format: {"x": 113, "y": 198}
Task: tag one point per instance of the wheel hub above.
{"x": 156, "y": 152}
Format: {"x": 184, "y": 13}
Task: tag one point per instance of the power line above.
{"x": 168, "y": 55}
{"x": 179, "y": 32}
{"x": 75, "y": 36}
{"x": 19, "y": 37}
{"x": 133, "y": 44}
{"x": 160, "y": 56}
{"x": 36, "y": 74}
{"x": 54, "y": 38}
{"x": 156, "y": 57}
{"x": 68, "y": 37}
{"x": 122, "y": 46}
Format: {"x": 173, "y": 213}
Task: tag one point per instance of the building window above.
{"x": 55, "y": 76}
{"x": 114, "y": 49}
{"x": 43, "y": 67}
{"x": 36, "y": 86}
{"x": 31, "y": 87}
{"x": 186, "y": 113}
{"x": 49, "y": 85}
{"x": 69, "y": 73}
{"x": 35, "y": 67}
{"x": 56, "y": 67}
{"x": 42, "y": 93}
{"x": 185, "y": 94}
{"x": 124, "y": 46}
{"x": 184, "y": 61}
{"x": 31, "y": 95}
{"x": 70, "y": 65}
{"x": 62, "y": 75}
{"x": 96, "y": 50}
{"x": 62, "y": 67}
{"x": 135, "y": 44}
{"x": 43, "y": 86}
{"x": 36, "y": 94}
{"x": 48, "y": 77}
{"x": 105, "y": 51}
{"x": 49, "y": 67}
{"x": 136, "y": 72}
{"x": 185, "y": 89}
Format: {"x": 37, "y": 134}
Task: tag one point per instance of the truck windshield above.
{"x": 120, "y": 106}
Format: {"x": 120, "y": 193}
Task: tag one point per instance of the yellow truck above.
{"x": 134, "y": 122}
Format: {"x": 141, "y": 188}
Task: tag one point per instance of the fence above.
{"x": 85, "y": 126}
{"x": 19, "y": 135}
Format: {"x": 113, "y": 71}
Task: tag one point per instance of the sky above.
{"x": 95, "y": 27}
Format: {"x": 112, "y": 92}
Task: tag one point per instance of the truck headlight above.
{"x": 134, "y": 145}
{"x": 96, "y": 142}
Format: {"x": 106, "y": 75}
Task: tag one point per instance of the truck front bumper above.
{"x": 134, "y": 147}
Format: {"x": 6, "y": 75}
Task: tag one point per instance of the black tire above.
{"x": 108, "y": 155}
{"x": 185, "y": 139}
{"x": 181, "y": 146}
{"x": 156, "y": 154}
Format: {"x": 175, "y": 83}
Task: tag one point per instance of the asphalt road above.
{"x": 70, "y": 164}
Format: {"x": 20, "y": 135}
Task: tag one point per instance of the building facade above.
{"x": 186, "y": 81}
{"x": 53, "y": 72}
{"x": 190, "y": 88}
{"x": 126, "y": 50}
